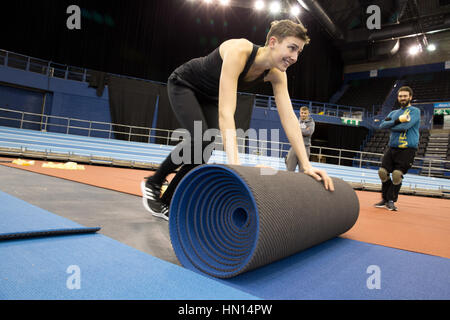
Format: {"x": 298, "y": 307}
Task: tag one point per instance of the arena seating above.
{"x": 367, "y": 92}
{"x": 433, "y": 86}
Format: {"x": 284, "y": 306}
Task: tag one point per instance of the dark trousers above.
{"x": 292, "y": 161}
{"x": 188, "y": 107}
{"x": 395, "y": 159}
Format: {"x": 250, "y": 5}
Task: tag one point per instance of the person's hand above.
{"x": 404, "y": 118}
{"x": 320, "y": 175}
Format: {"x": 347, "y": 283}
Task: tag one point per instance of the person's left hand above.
{"x": 320, "y": 175}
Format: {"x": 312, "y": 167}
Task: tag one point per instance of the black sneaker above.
{"x": 391, "y": 206}
{"x": 164, "y": 211}
{"x": 380, "y": 204}
{"x": 151, "y": 200}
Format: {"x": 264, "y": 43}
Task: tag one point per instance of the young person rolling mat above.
{"x": 205, "y": 89}
{"x": 404, "y": 125}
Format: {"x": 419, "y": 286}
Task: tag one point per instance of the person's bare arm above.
{"x": 234, "y": 59}
{"x": 292, "y": 128}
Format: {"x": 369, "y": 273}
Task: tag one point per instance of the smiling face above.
{"x": 285, "y": 53}
{"x": 404, "y": 98}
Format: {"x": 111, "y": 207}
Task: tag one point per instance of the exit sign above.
{"x": 350, "y": 121}
{"x": 442, "y": 111}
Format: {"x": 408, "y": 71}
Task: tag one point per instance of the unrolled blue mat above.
{"x": 87, "y": 266}
{"x": 19, "y": 220}
{"x": 93, "y": 266}
{"x": 18, "y": 216}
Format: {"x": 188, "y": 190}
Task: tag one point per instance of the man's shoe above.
{"x": 380, "y": 204}
{"x": 391, "y": 206}
{"x": 151, "y": 200}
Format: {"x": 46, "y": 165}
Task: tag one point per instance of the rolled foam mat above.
{"x": 226, "y": 220}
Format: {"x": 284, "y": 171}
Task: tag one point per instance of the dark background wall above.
{"x": 149, "y": 39}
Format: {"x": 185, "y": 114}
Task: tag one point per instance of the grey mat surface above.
{"x": 120, "y": 216}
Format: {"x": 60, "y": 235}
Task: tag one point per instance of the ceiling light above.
{"x": 275, "y": 7}
{"x": 413, "y": 50}
{"x": 259, "y": 5}
{"x": 295, "y": 10}
{"x": 431, "y": 47}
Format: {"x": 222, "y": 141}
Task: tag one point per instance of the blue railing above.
{"x": 319, "y": 108}
{"x": 57, "y": 70}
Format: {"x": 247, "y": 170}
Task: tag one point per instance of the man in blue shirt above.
{"x": 404, "y": 125}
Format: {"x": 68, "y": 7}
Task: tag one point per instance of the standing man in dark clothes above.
{"x": 307, "y": 125}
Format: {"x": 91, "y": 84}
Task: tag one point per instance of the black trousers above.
{"x": 188, "y": 107}
{"x": 395, "y": 159}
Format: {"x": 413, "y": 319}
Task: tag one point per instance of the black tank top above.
{"x": 203, "y": 74}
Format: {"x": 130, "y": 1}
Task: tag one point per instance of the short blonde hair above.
{"x": 286, "y": 28}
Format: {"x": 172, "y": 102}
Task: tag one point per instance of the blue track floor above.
{"x": 42, "y": 268}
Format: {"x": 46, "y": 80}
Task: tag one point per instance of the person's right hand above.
{"x": 404, "y": 118}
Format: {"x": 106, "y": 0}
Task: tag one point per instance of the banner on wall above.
{"x": 442, "y": 108}
{"x": 442, "y": 105}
